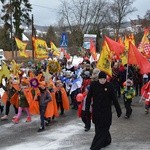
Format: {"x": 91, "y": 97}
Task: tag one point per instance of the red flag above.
{"x": 135, "y": 57}
{"x": 145, "y": 90}
{"x": 114, "y": 46}
{"x": 93, "y": 49}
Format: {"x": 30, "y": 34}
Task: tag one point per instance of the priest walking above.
{"x": 103, "y": 96}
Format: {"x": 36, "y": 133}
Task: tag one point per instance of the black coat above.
{"x": 103, "y": 97}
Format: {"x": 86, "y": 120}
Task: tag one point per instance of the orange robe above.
{"x": 15, "y": 98}
{"x": 50, "y": 110}
{"x": 65, "y": 99}
{"x": 5, "y": 96}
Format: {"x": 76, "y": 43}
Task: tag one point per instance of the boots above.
{"x": 28, "y": 119}
{"x": 16, "y": 120}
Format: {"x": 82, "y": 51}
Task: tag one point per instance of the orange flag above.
{"x": 120, "y": 41}
{"x": 114, "y": 46}
{"x": 131, "y": 38}
{"x": 93, "y": 49}
{"x": 135, "y": 57}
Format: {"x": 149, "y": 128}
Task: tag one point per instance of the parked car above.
{"x": 2, "y": 57}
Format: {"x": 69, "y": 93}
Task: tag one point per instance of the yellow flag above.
{"x": 4, "y": 72}
{"x": 40, "y": 48}
{"x": 104, "y": 62}
{"x": 15, "y": 68}
{"x": 127, "y": 40}
{"x": 55, "y": 50}
{"x": 124, "y": 57}
{"x": 21, "y": 47}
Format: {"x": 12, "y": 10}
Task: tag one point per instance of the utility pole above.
{"x": 11, "y": 33}
{"x": 33, "y": 35}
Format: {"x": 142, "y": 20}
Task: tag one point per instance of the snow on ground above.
{"x": 50, "y": 140}
{"x": 53, "y": 139}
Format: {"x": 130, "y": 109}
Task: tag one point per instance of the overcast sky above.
{"x": 47, "y": 16}
{"x": 45, "y": 11}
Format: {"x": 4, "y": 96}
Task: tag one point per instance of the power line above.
{"x": 52, "y": 9}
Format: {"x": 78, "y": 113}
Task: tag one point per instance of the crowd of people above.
{"x": 82, "y": 87}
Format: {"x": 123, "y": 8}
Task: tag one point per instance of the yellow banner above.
{"x": 104, "y": 62}
{"x": 54, "y": 49}
{"x": 21, "y": 47}
{"x": 40, "y": 48}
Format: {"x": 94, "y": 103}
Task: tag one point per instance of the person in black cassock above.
{"x": 103, "y": 96}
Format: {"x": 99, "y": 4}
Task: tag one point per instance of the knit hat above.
{"x": 128, "y": 82}
{"x": 102, "y": 75}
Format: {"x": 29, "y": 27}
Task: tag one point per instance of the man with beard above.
{"x": 103, "y": 96}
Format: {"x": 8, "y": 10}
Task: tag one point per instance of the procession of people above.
{"x": 38, "y": 89}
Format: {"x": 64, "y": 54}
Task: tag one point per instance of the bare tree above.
{"x": 120, "y": 9}
{"x": 83, "y": 15}
{"x": 147, "y": 15}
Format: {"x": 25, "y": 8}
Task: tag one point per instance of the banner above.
{"x": 144, "y": 46}
{"x": 104, "y": 62}
{"x": 40, "y": 48}
{"x": 54, "y": 49}
{"x": 136, "y": 58}
{"x": 21, "y": 47}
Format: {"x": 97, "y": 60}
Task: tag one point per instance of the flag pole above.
{"x": 33, "y": 35}
{"x": 127, "y": 65}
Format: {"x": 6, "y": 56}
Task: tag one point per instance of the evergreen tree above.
{"x": 51, "y": 36}
{"x": 17, "y": 12}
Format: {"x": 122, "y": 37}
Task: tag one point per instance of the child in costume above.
{"x": 81, "y": 98}
{"x": 129, "y": 94}
{"x": 51, "y": 88}
{"x": 58, "y": 96}
{"x": 24, "y": 96}
{"x": 43, "y": 99}
{"x": 10, "y": 89}
{"x": 61, "y": 97}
